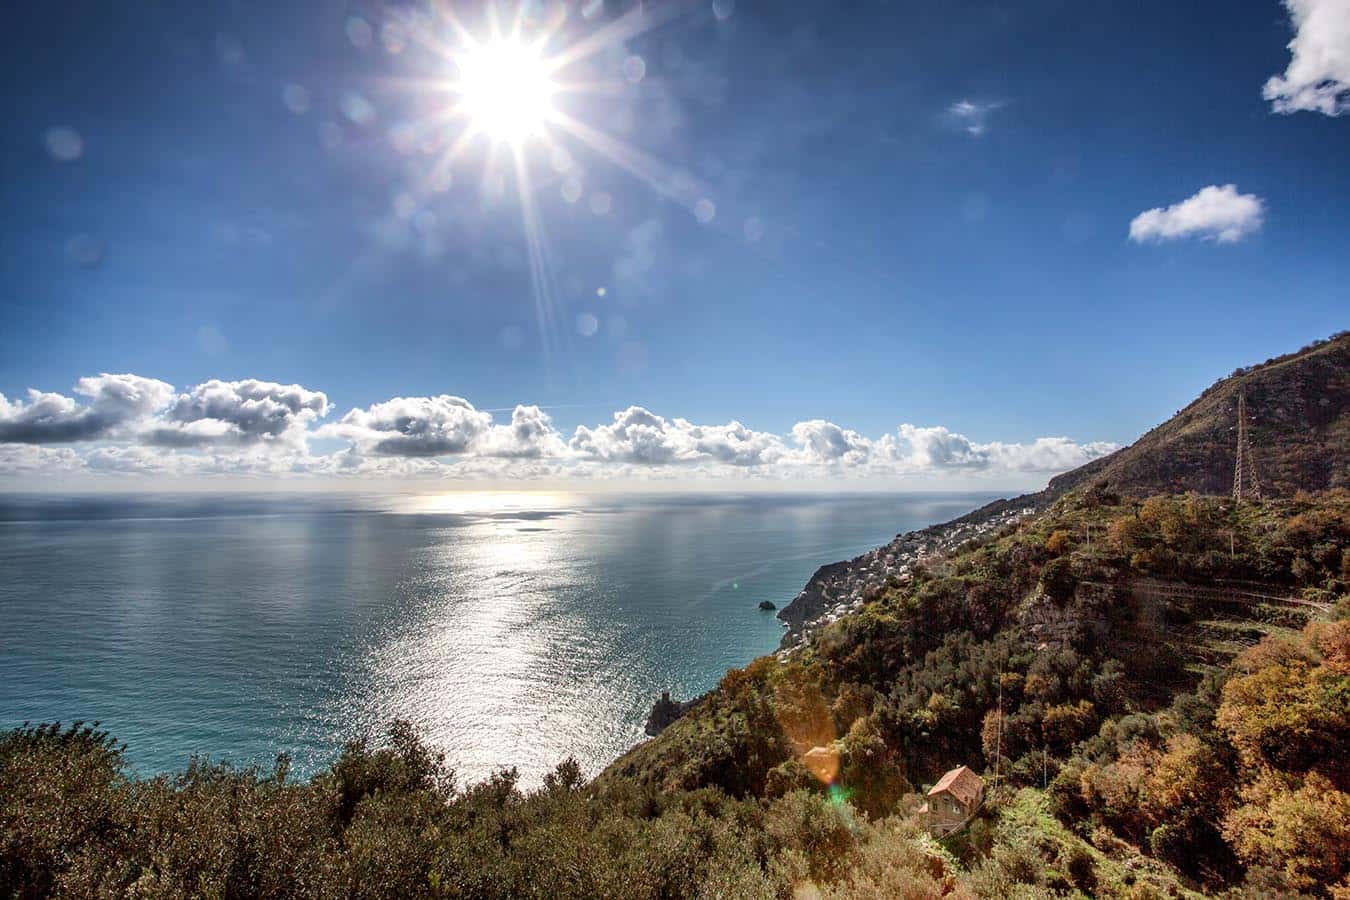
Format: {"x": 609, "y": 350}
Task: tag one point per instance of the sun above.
{"x": 505, "y": 90}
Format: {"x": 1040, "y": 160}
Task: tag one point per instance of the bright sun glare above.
{"x": 505, "y": 90}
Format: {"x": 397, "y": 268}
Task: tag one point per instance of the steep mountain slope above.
{"x": 1299, "y": 407}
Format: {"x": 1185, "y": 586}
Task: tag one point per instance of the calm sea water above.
{"x": 514, "y": 629}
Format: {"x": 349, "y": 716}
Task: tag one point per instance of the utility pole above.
{"x": 1245, "y": 485}
{"x": 998, "y": 741}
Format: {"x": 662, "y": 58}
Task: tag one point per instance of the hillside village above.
{"x": 843, "y": 587}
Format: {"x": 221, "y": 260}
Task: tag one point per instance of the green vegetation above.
{"x": 1150, "y": 740}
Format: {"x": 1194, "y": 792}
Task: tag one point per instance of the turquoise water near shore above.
{"x": 513, "y": 629}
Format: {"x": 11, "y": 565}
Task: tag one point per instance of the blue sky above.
{"x": 911, "y": 214}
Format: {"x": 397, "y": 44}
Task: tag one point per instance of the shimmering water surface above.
{"x": 514, "y": 629}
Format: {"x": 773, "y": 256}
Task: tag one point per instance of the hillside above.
{"x": 1299, "y": 406}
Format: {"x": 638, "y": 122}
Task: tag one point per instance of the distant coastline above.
{"x": 839, "y": 587}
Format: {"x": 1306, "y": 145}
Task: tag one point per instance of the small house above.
{"x": 952, "y": 800}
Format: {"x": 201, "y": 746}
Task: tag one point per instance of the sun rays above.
{"x": 503, "y": 84}
{"x": 527, "y": 93}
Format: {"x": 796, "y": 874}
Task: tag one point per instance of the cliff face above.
{"x": 1299, "y": 423}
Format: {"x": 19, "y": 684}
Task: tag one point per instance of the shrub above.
{"x": 1057, "y": 580}
{"x": 1057, "y": 543}
{"x": 1082, "y": 869}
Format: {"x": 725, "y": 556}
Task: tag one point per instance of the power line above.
{"x": 1245, "y": 485}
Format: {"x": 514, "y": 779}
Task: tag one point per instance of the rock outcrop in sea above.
{"x": 664, "y": 711}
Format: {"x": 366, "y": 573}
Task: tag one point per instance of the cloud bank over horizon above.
{"x": 127, "y": 424}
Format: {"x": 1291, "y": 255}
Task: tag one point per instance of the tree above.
{"x": 1289, "y": 715}
{"x": 1301, "y": 829}
{"x": 1068, "y": 722}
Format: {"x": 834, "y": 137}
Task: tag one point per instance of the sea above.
{"x": 513, "y": 629}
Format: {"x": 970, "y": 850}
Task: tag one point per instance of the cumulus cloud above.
{"x": 34, "y": 460}
{"x": 239, "y": 412}
{"x": 530, "y": 435}
{"x": 415, "y": 426}
{"x": 136, "y": 460}
{"x": 138, "y": 426}
{"x": 733, "y": 443}
{"x": 636, "y": 435}
{"x": 940, "y": 448}
{"x": 827, "y": 443}
{"x": 115, "y": 401}
{"x": 639, "y": 436}
{"x": 1046, "y": 455}
{"x": 1214, "y": 213}
{"x": 1318, "y": 76}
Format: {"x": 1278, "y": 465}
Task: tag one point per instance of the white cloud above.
{"x": 733, "y": 444}
{"x": 239, "y": 412}
{"x": 940, "y": 448}
{"x": 115, "y": 401}
{"x": 826, "y": 443}
{"x": 136, "y": 426}
{"x": 530, "y": 435}
{"x": 33, "y": 460}
{"x": 937, "y": 449}
{"x": 136, "y": 460}
{"x": 972, "y": 116}
{"x": 636, "y": 435}
{"x": 1213, "y": 213}
{"x": 1047, "y": 454}
{"x": 1318, "y": 76}
{"x": 639, "y": 436}
{"x": 414, "y": 426}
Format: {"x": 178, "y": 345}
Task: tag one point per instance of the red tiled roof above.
{"x": 961, "y": 783}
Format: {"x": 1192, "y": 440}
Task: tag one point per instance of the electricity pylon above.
{"x": 1245, "y": 485}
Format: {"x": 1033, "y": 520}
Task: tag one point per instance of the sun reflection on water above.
{"x": 497, "y": 659}
{"x": 487, "y": 502}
